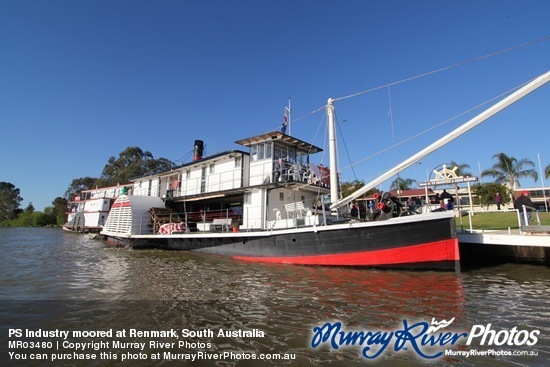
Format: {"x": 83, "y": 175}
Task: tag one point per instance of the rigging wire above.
{"x": 461, "y": 63}
{"x": 321, "y": 124}
{"x": 444, "y": 68}
{"x": 184, "y": 158}
{"x": 390, "y": 115}
{"x": 435, "y": 126}
{"x": 345, "y": 147}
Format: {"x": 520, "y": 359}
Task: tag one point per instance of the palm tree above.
{"x": 402, "y": 183}
{"x": 462, "y": 168}
{"x": 508, "y": 170}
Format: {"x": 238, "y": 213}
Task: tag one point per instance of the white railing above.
{"x": 522, "y": 217}
{"x": 527, "y": 214}
{"x": 226, "y": 180}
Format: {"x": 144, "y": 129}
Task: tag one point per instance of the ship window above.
{"x": 212, "y": 167}
{"x": 268, "y": 147}
{"x": 281, "y": 196}
{"x": 238, "y": 162}
{"x": 261, "y": 148}
{"x": 278, "y": 152}
{"x": 292, "y": 155}
{"x": 288, "y": 154}
{"x": 188, "y": 174}
{"x": 301, "y": 158}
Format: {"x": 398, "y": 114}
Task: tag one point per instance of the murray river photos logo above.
{"x": 428, "y": 341}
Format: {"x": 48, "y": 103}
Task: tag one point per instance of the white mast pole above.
{"x": 289, "y": 111}
{"x": 512, "y": 98}
{"x": 542, "y": 183}
{"x": 332, "y": 152}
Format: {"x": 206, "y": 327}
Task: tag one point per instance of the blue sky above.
{"x": 82, "y": 80}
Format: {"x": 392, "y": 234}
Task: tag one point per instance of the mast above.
{"x": 288, "y": 111}
{"x": 334, "y": 197}
{"x": 499, "y": 106}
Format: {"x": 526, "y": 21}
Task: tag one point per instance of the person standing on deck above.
{"x": 520, "y": 203}
{"x": 449, "y": 200}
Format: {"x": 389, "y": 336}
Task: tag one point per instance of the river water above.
{"x": 51, "y": 280}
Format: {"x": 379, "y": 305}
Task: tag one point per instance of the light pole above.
{"x": 416, "y": 174}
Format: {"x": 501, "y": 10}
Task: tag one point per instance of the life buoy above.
{"x": 169, "y": 228}
{"x": 175, "y": 184}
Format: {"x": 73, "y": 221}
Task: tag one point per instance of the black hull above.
{"x": 409, "y": 244}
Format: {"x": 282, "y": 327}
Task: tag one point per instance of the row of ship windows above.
{"x": 267, "y": 150}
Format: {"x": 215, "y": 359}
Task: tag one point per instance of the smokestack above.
{"x": 198, "y": 151}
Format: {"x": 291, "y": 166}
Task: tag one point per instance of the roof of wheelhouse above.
{"x": 281, "y": 138}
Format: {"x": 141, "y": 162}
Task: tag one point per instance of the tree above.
{"x": 462, "y": 168}
{"x": 49, "y": 217}
{"x": 60, "y": 207}
{"x": 349, "y": 188}
{"x": 485, "y": 193}
{"x": 508, "y": 170}
{"x": 78, "y": 185}
{"x": 30, "y": 208}
{"x": 9, "y": 201}
{"x": 547, "y": 171}
{"x": 402, "y": 183}
{"x": 132, "y": 162}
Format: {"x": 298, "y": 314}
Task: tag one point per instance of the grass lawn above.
{"x": 501, "y": 220}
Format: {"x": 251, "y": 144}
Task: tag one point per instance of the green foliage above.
{"x": 485, "y": 193}
{"x": 349, "y": 188}
{"x": 32, "y": 219}
{"x": 402, "y": 184}
{"x": 132, "y": 162}
{"x": 462, "y": 168}
{"x": 49, "y": 217}
{"x": 59, "y": 209}
{"x": 79, "y": 184}
{"x": 9, "y": 201}
{"x": 52, "y": 215}
{"x": 30, "y": 208}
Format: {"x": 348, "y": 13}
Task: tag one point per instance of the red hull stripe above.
{"x": 122, "y": 204}
{"x": 430, "y": 252}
